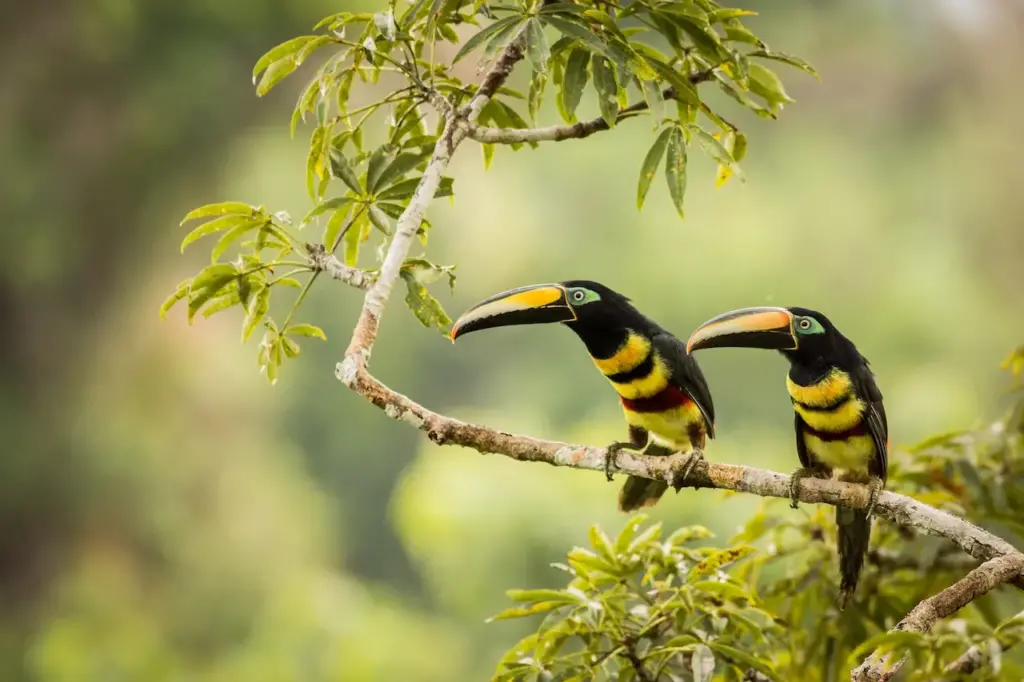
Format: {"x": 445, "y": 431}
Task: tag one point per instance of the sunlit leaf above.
{"x": 650, "y": 165}
{"x": 537, "y": 45}
{"x": 478, "y": 39}
{"x": 675, "y": 168}
{"x": 764, "y": 82}
{"x": 607, "y": 89}
{"x": 279, "y": 52}
{"x": 256, "y": 310}
{"x": 233, "y": 235}
{"x": 574, "y": 80}
{"x": 787, "y": 59}
{"x": 323, "y": 207}
{"x": 179, "y": 293}
{"x": 223, "y": 208}
{"x": 305, "y": 330}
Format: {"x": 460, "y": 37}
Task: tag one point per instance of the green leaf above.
{"x": 786, "y": 59}
{"x": 715, "y": 149}
{"x": 276, "y": 73}
{"x": 291, "y": 348}
{"x": 325, "y": 206}
{"x": 650, "y": 165}
{"x": 543, "y": 595}
{"x": 478, "y": 38}
{"x": 600, "y": 542}
{"x": 380, "y": 159}
{"x": 406, "y": 188}
{"x": 399, "y": 166}
{"x": 675, "y": 168}
{"x": 725, "y": 590}
{"x": 572, "y": 29}
{"x": 305, "y": 330}
{"x": 537, "y": 45}
{"x": 719, "y": 559}
{"x": 215, "y": 225}
{"x": 233, "y": 235}
{"x": 893, "y": 640}
{"x": 214, "y": 276}
{"x": 744, "y": 660}
{"x": 351, "y": 241}
{"x": 340, "y": 168}
{"x": 574, "y": 81}
{"x": 257, "y": 309}
{"x": 739, "y": 147}
{"x": 607, "y": 89}
{"x": 622, "y": 542}
{"x": 765, "y": 83}
{"x": 380, "y": 220}
{"x": 223, "y": 208}
{"x": 720, "y": 15}
{"x": 488, "y": 151}
{"x": 424, "y": 306}
{"x": 334, "y": 227}
{"x": 221, "y": 303}
{"x": 539, "y": 607}
{"x": 538, "y": 81}
{"x": 179, "y": 293}
{"x": 279, "y": 52}
{"x": 702, "y": 663}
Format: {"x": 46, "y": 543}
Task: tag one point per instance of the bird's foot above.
{"x": 681, "y": 472}
{"x": 874, "y": 490}
{"x": 613, "y": 451}
{"x": 797, "y": 476}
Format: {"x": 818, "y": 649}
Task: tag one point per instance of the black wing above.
{"x": 801, "y": 447}
{"x": 686, "y": 374}
{"x": 878, "y": 425}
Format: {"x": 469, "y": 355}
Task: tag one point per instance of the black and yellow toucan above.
{"x": 841, "y": 428}
{"x": 664, "y": 396}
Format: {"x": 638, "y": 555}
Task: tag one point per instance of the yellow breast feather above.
{"x": 644, "y": 387}
{"x": 828, "y": 391}
{"x": 629, "y": 355}
{"x": 671, "y": 427}
{"x": 852, "y": 454}
{"x": 837, "y": 420}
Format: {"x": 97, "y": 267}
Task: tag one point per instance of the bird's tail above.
{"x": 640, "y": 492}
{"x": 854, "y": 534}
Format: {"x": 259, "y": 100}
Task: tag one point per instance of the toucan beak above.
{"x": 535, "y": 304}
{"x": 770, "y": 328}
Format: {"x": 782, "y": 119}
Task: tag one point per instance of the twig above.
{"x": 981, "y": 580}
{"x": 973, "y": 658}
{"x": 326, "y": 262}
{"x": 575, "y": 131}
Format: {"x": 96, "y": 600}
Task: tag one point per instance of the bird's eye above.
{"x": 578, "y": 295}
{"x": 804, "y": 324}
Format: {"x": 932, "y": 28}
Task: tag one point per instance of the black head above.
{"x": 580, "y": 304}
{"x": 804, "y": 336}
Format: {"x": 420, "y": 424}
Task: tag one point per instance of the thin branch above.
{"x": 575, "y": 131}
{"x": 326, "y": 262}
{"x": 974, "y": 658}
{"x": 978, "y": 582}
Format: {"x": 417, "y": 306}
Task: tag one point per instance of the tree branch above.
{"x": 575, "y": 131}
{"x": 973, "y": 658}
{"x": 318, "y": 257}
{"x": 365, "y": 333}
{"x": 899, "y": 509}
{"x": 981, "y": 580}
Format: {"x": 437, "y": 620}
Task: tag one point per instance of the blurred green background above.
{"x": 167, "y": 515}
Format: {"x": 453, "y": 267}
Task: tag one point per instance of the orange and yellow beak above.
{"x": 535, "y": 304}
{"x": 763, "y": 327}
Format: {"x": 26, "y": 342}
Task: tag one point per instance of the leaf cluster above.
{"x": 644, "y": 607}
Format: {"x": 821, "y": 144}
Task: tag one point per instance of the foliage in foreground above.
{"x": 370, "y": 144}
{"x": 643, "y": 607}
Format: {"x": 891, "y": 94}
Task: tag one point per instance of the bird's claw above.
{"x": 683, "y": 472}
{"x": 612, "y": 451}
{"x": 794, "y": 483}
{"x": 874, "y": 490}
